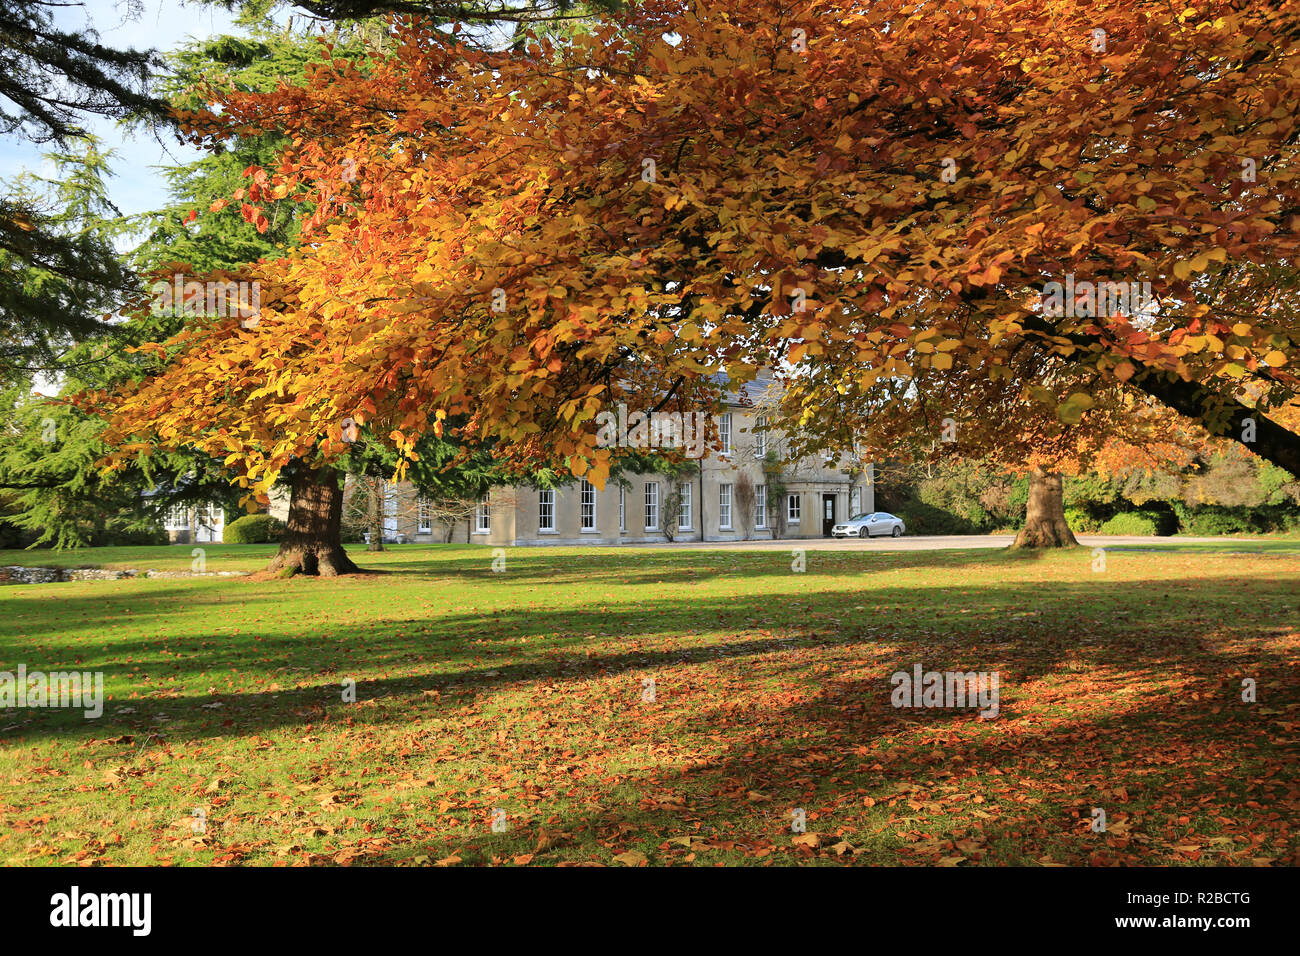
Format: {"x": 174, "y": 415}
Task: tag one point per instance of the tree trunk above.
{"x": 1045, "y": 525}
{"x": 311, "y": 543}
{"x": 375, "y": 505}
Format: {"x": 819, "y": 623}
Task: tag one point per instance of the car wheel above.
{"x": 898, "y": 532}
{"x": 863, "y": 533}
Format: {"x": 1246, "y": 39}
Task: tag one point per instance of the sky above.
{"x": 137, "y": 185}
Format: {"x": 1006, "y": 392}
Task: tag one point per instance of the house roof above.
{"x": 745, "y": 393}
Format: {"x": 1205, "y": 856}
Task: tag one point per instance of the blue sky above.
{"x": 137, "y": 185}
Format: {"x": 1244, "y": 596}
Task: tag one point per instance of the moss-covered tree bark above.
{"x": 311, "y": 543}
{"x": 1045, "y": 525}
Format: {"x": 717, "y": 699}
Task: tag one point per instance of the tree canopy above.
{"x": 518, "y": 238}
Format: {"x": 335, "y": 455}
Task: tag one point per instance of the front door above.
{"x": 828, "y": 515}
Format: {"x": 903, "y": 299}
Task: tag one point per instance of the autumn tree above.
{"x": 868, "y": 193}
{"x": 1041, "y": 415}
{"x": 52, "y": 449}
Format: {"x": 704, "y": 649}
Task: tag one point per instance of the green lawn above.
{"x": 217, "y": 557}
{"x": 523, "y": 692}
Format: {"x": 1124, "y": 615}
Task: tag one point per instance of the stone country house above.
{"x": 785, "y": 498}
{"x": 194, "y": 524}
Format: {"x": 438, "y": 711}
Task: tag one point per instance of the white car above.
{"x": 870, "y": 525}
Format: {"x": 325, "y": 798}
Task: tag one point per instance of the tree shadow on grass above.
{"x": 464, "y": 657}
{"x": 524, "y": 566}
{"x": 792, "y": 687}
{"x": 1194, "y": 776}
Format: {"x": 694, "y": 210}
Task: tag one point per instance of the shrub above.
{"x": 1284, "y": 519}
{"x": 253, "y": 529}
{"x": 926, "y": 519}
{"x": 12, "y": 537}
{"x": 1082, "y": 521}
{"x": 1132, "y": 522}
{"x": 126, "y": 531}
{"x": 1211, "y": 521}
{"x": 121, "y": 537}
{"x": 1163, "y": 515}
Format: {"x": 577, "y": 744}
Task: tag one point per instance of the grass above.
{"x": 526, "y": 692}
{"x": 218, "y": 557}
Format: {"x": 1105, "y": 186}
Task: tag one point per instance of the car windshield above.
{"x": 860, "y": 517}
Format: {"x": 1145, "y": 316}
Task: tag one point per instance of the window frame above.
{"x": 760, "y": 507}
{"x": 172, "y": 523}
{"x": 725, "y": 517}
{"x": 586, "y": 490}
{"x": 545, "y": 505}
{"x": 483, "y": 516}
{"x": 686, "y": 517}
{"x": 793, "y": 508}
{"x": 651, "y": 505}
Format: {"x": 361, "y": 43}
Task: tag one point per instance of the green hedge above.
{"x": 120, "y": 537}
{"x": 968, "y": 498}
{"x": 253, "y": 529}
{"x": 1082, "y": 521}
{"x": 922, "y": 518}
{"x": 1133, "y": 522}
{"x": 1211, "y": 520}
